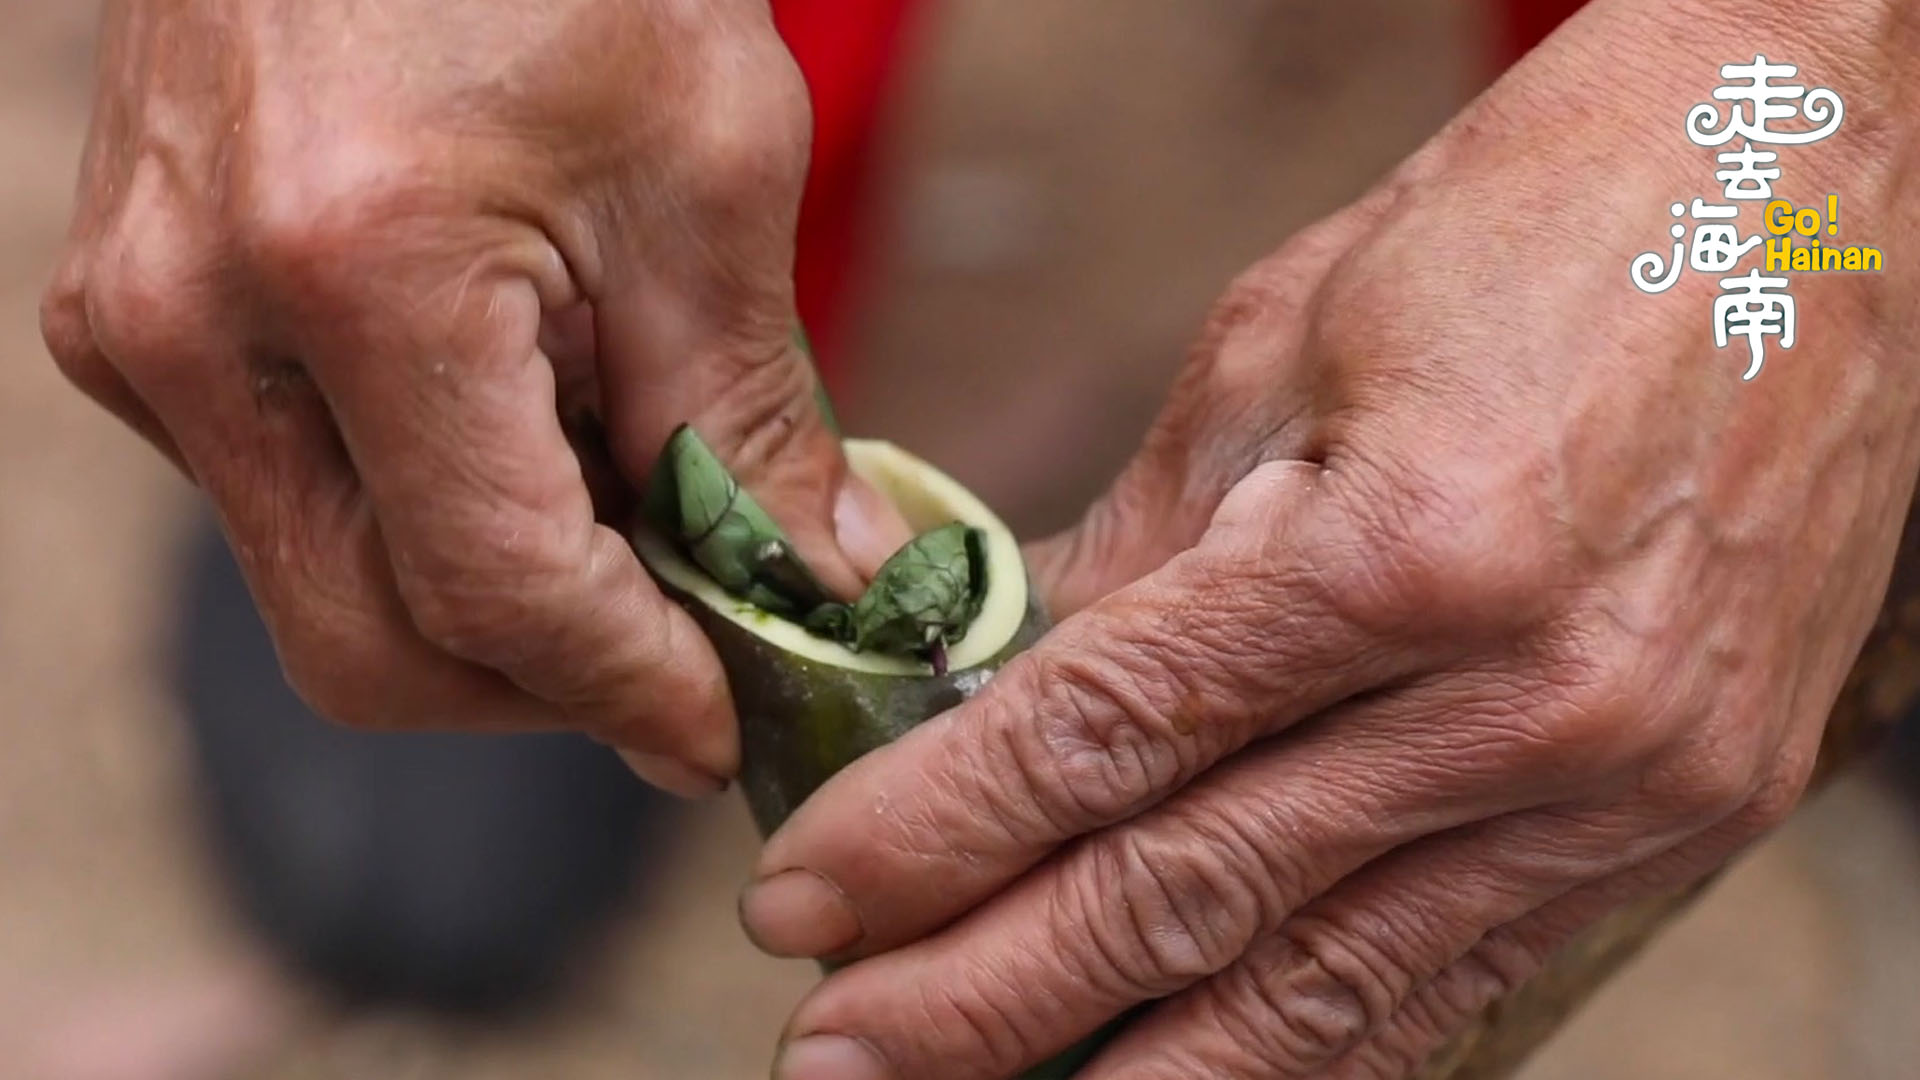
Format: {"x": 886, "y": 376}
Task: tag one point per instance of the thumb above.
{"x": 695, "y": 321}
{"x": 1218, "y": 424}
{"x": 747, "y": 385}
{"x": 1140, "y": 523}
{"x": 1245, "y": 395}
{"x": 695, "y": 317}
{"x": 1158, "y": 507}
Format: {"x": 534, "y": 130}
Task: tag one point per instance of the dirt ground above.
{"x": 1076, "y": 180}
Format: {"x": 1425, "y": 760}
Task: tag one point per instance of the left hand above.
{"x": 415, "y": 292}
{"x": 1458, "y": 597}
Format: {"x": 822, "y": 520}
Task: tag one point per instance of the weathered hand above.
{"x": 349, "y": 263}
{"x": 1461, "y": 594}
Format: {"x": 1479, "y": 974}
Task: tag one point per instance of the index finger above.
{"x": 1117, "y": 708}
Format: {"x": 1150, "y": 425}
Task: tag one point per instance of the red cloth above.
{"x": 1525, "y": 23}
{"x": 849, "y": 51}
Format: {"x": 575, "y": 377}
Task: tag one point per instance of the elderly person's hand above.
{"x": 1461, "y": 594}
{"x": 347, "y": 263}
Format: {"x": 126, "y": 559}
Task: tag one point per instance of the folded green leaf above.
{"x": 694, "y": 500}
{"x": 922, "y": 600}
{"x": 928, "y": 593}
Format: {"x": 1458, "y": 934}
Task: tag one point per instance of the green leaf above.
{"x": 693, "y": 499}
{"x": 923, "y": 599}
{"x": 926, "y": 594}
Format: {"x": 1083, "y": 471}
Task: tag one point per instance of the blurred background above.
{"x": 1067, "y": 185}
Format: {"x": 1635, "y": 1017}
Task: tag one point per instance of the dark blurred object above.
{"x": 1903, "y": 756}
{"x": 1524, "y": 24}
{"x": 456, "y": 872}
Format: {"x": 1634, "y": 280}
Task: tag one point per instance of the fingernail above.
{"x": 867, "y": 526}
{"x": 798, "y": 913}
{"x": 672, "y": 776}
{"x": 829, "y": 1057}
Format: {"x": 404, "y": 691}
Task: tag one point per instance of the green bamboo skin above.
{"x": 803, "y": 719}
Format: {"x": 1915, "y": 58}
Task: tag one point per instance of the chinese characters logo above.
{"x": 1760, "y": 116}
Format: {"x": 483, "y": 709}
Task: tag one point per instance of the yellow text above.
{"x": 1783, "y": 255}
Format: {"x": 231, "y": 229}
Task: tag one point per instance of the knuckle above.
{"x": 489, "y": 601}
{"x": 307, "y": 224}
{"x": 1774, "y": 798}
{"x": 1719, "y": 763}
{"x": 69, "y": 338}
{"x": 1159, "y": 911}
{"x": 333, "y": 687}
{"x": 1010, "y": 779}
{"x": 63, "y": 309}
{"x": 1614, "y": 701}
{"x": 1707, "y": 780}
{"x": 1429, "y": 555}
{"x": 336, "y": 649}
{"x": 1518, "y": 729}
{"x": 334, "y": 665}
{"x": 1499, "y": 965}
{"x": 1107, "y": 739}
{"x": 769, "y": 405}
{"x": 750, "y": 136}
{"x": 1310, "y": 1004}
{"x": 139, "y": 304}
{"x": 317, "y": 582}
{"x": 305, "y": 249}
{"x": 1610, "y": 716}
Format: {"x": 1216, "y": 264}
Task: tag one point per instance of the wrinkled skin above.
{"x": 347, "y": 263}
{"x": 1461, "y": 594}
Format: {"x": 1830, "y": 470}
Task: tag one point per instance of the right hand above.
{"x": 348, "y": 264}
